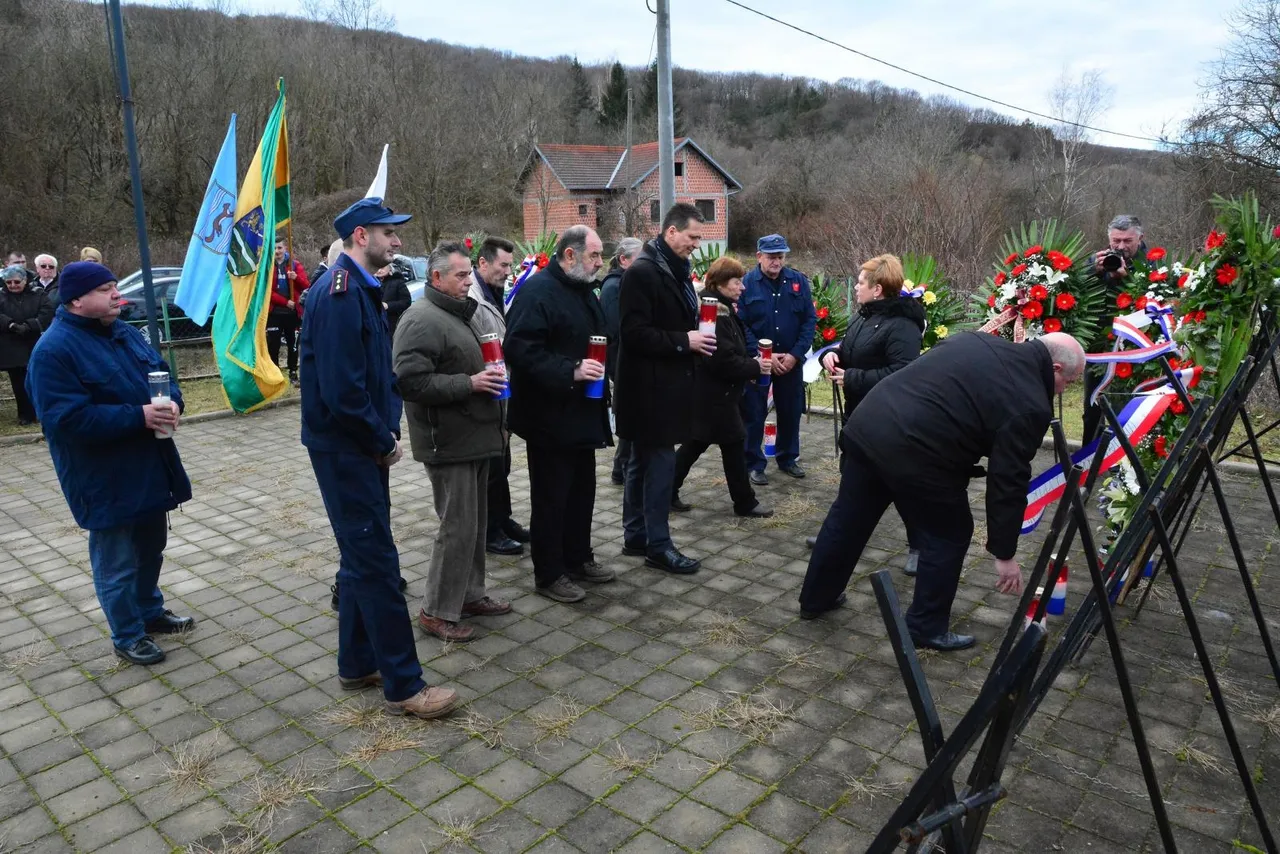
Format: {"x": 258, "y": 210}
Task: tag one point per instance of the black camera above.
{"x": 1112, "y": 261}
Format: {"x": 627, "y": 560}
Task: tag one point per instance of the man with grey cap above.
{"x": 351, "y": 412}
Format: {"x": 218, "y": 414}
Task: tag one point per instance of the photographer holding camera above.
{"x": 1111, "y": 266}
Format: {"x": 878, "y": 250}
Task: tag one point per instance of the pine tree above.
{"x": 580, "y": 98}
{"x": 647, "y": 105}
{"x": 613, "y": 104}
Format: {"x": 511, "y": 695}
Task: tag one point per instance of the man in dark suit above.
{"x": 658, "y": 312}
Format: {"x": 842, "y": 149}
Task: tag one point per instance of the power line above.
{"x": 945, "y": 85}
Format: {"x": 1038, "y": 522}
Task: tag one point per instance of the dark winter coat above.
{"x": 883, "y": 337}
{"x": 32, "y": 313}
{"x": 779, "y": 309}
{"x": 548, "y": 324}
{"x": 720, "y": 379}
{"x": 395, "y": 293}
{"x": 654, "y": 390}
{"x": 88, "y": 383}
{"x": 972, "y": 396}
{"x": 609, "y": 294}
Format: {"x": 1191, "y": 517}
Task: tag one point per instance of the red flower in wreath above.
{"x": 1189, "y": 317}
{"x": 1156, "y": 254}
{"x": 1018, "y": 270}
{"x": 1227, "y": 274}
{"x": 1275, "y": 232}
{"x": 1039, "y": 292}
{"x": 991, "y": 301}
{"x": 1141, "y": 303}
{"x": 1214, "y": 240}
{"x": 1182, "y": 280}
{"x": 1124, "y": 370}
{"x": 1059, "y": 261}
{"x": 1158, "y": 276}
{"x": 1034, "y": 250}
{"x": 1000, "y": 278}
{"x": 543, "y": 260}
{"x": 829, "y": 333}
{"x": 467, "y": 243}
{"x": 1178, "y": 407}
{"x": 1200, "y": 316}
{"x": 1175, "y": 364}
{"x": 1032, "y": 310}
{"x": 1013, "y": 257}
{"x": 1052, "y": 324}
{"x": 823, "y": 313}
{"x": 1065, "y": 302}
{"x": 1160, "y": 446}
{"x": 1124, "y": 301}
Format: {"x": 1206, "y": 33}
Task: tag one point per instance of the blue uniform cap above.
{"x": 772, "y": 243}
{"x": 367, "y": 212}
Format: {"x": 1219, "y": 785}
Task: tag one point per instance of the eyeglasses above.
{"x": 15, "y": 281}
{"x": 46, "y": 266}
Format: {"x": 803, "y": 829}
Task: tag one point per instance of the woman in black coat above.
{"x": 24, "y": 314}
{"x": 395, "y": 293}
{"x": 883, "y": 336}
{"x": 718, "y": 385}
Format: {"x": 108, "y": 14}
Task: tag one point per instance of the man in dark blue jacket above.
{"x": 776, "y": 304}
{"x": 88, "y": 379}
{"x": 351, "y": 427}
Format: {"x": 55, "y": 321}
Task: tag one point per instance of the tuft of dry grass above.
{"x": 1270, "y": 719}
{"x": 461, "y": 832}
{"x": 799, "y": 659}
{"x": 477, "y": 666}
{"x": 796, "y": 507}
{"x": 246, "y": 634}
{"x": 755, "y": 717}
{"x": 28, "y": 655}
{"x": 483, "y": 727}
{"x": 380, "y": 742}
{"x": 867, "y": 789}
{"x": 190, "y": 763}
{"x": 354, "y": 714}
{"x": 555, "y": 725}
{"x": 242, "y": 840}
{"x": 1193, "y": 755}
{"x": 270, "y": 795}
{"x": 725, "y": 630}
{"x": 620, "y": 759}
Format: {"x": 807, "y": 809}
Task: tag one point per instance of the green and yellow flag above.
{"x": 249, "y": 376}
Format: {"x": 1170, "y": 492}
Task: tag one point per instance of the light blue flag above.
{"x": 204, "y": 272}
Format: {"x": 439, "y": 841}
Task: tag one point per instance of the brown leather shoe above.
{"x": 426, "y": 704}
{"x": 486, "y": 606}
{"x": 443, "y": 629}
{"x": 359, "y": 683}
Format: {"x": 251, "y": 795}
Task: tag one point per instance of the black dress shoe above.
{"x": 169, "y": 623}
{"x": 515, "y": 531}
{"x": 759, "y": 478}
{"x": 792, "y": 470}
{"x": 810, "y": 542}
{"x": 806, "y": 614}
{"x": 143, "y": 652}
{"x": 672, "y": 561}
{"x": 503, "y": 545}
{"x": 635, "y": 549}
{"x": 947, "y": 642}
{"x": 677, "y": 504}
{"x": 757, "y": 512}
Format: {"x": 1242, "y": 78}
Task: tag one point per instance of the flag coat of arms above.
{"x": 204, "y": 272}
{"x": 250, "y": 378}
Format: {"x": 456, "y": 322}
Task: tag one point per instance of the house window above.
{"x": 706, "y": 207}
{"x": 582, "y": 210}
{"x": 679, "y": 168}
{"x": 655, "y": 211}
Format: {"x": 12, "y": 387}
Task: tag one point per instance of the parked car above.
{"x": 135, "y": 278}
{"x": 165, "y": 285}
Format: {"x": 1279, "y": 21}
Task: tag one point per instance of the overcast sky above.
{"x": 1155, "y": 53}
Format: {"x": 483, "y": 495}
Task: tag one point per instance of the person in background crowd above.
{"x": 88, "y": 378}
{"x": 20, "y": 259}
{"x": 718, "y": 391}
{"x": 628, "y": 249}
{"x": 395, "y": 293}
{"x": 883, "y": 336}
{"x": 323, "y": 266}
{"x": 778, "y": 305}
{"x": 549, "y": 326}
{"x": 46, "y": 276}
{"x": 288, "y": 281}
{"x": 915, "y": 441}
{"x": 505, "y": 536}
{"x": 351, "y": 429}
{"x": 455, "y": 425}
{"x": 24, "y": 315}
{"x": 88, "y": 253}
{"x": 658, "y": 313}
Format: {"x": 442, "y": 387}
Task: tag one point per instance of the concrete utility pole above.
{"x": 628, "y": 216}
{"x": 666, "y": 111}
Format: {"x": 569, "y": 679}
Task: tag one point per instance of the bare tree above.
{"x": 1079, "y": 102}
{"x": 350, "y": 14}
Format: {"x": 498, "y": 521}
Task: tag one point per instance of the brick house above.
{"x": 564, "y": 185}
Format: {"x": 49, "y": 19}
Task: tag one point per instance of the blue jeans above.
{"x": 646, "y": 497}
{"x": 126, "y": 573}
{"x": 788, "y": 406}
{"x": 375, "y": 632}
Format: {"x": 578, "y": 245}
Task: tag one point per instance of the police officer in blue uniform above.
{"x": 351, "y": 428}
{"x": 776, "y": 304}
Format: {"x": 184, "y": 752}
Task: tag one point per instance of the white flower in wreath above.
{"x": 1177, "y": 268}
{"x": 1038, "y": 271}
{"x": 1129, "y": 477}
{"x": 1055, "y": 276}
{"x": 1008, "y": 290}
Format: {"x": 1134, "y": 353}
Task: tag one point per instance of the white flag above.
{"x": 378, "y": 189}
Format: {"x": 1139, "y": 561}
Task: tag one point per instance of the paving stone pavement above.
{"x": 663, "y": 713}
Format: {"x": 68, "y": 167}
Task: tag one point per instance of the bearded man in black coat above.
{"x": 914, "y": 441}
{"x": 658, "y": 310}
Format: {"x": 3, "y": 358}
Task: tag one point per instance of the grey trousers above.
{"x": 455, "y": 574}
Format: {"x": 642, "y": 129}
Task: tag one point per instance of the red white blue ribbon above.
{"x": 1128, "y": 329}
{"x": 528, "y": 267}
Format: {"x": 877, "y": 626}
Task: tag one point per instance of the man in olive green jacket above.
{"x": 455, "y": 428}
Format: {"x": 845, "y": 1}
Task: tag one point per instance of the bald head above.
{"x": 1067, "y": 356}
